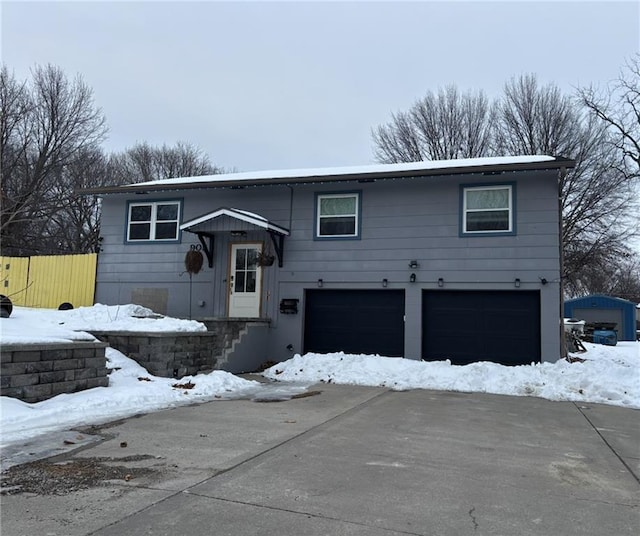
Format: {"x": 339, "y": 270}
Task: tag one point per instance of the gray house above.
{"x": 436, "y": 260}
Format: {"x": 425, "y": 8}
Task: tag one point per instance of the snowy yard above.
{"x": 609, "y": 375}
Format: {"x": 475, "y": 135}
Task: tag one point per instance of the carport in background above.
{"x": 470, "y": 326}
{"x": 598, "y": 308}
{"x": 354, "y": 321}
{"x": 598, "y": 316}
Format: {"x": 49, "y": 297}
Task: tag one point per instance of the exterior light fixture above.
{"x": 320, "y": 282}
{"x": 413, "y": 264}
{"x": 238, "y": 233}
{"x": 517, "y": 283}
{"x": 385, "y": 282}
{"x": 440, "y": 282}
{"x": 543, "y": 281}
{"x": 412, "y": 278}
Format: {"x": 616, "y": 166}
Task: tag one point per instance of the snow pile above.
{"x": 26, "y": 325}
{"x": 609, "y": 375}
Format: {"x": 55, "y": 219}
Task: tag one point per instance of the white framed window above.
{"x": 153, "y": 221}
{"x": 338, "y": 215}
{"x": 488, "y": 209}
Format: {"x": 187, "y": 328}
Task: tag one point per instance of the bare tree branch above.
{"x": 45, "y": 123}
{"x": 440, "y": 126}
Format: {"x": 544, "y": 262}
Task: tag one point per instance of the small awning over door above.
{"x": 276, "y": 232}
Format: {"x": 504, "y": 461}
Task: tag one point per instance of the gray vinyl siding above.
{"x": 402, "y": 219}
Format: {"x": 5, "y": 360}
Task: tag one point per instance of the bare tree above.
{"x": 144, "y": 162}
{"x": 50, "y": 131}
{"x": 619, "y": 108}
{"x": 45, "y": 123}
{"x": 621, "y": 279}
{"x": 596, "y": 198}
{"x": 440, "y": 126}
{"x": 75, "y": 226}
{"x": 531, "y": 119}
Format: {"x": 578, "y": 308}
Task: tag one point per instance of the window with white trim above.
{"x": 153, "y": 221}
{"x": 487, "y": 209}
{"x": 337, "y": 215}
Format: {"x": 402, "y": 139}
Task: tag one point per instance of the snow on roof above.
{"x": 350, "y": 170}
{"x": 243, "y": 215}
{"x": 365, "y": 173}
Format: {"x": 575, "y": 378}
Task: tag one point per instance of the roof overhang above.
{"x": 276, "y": 232}
{"x": 242, "y": 215}
{"x": 433, "y": 168}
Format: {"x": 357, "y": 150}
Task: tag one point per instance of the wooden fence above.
{"x": 50, "y": 280}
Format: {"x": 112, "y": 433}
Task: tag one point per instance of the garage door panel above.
{"x": 470, "y": 326}
{"x": 354, "y": 321}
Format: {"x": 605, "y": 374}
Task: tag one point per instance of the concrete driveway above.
{"x": 353, "y": 461}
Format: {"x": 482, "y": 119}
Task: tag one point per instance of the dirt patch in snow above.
{"x": 49, "y": 477}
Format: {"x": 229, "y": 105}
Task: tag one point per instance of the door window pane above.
{"x": 251, "y": 281}
{"x": 241, "y": 257}
{"x": 246, "y": 269}
{"x": 252, "y": 258}
{"x": 239, "y": 282}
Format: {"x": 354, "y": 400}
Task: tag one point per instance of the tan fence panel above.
{"x": 14, "y": 278}
{"x": 57, "y": 279}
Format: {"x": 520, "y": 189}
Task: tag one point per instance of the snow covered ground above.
{"x": 26, "y": 325}
{"x": 609, "y": 375}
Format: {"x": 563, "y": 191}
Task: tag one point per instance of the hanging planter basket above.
{"x": 265, "y": 259}
{"x": 193, "y": 261}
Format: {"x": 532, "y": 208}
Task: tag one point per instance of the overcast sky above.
{"x": 277, "y": 85}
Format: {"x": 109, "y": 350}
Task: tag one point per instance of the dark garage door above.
{"x": 468, "y": 326}
{"x": 354, "y": 321}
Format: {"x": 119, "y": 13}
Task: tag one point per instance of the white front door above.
{"x": 245, "y": 281}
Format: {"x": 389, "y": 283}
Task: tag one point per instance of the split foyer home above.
{"x": 435, "y": 260}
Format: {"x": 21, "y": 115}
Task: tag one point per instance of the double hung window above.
{"x": 338, "y": 215}
{"x": 488, "y": 209}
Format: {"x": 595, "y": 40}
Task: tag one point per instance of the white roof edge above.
{"x": 350, "y": 170}
{"x": 243, "y": 215}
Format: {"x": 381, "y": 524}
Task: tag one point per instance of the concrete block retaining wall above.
{"x": 179, "y": 354}
{"x": 36, "y": 372}
{"x": 170, "y": 355}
